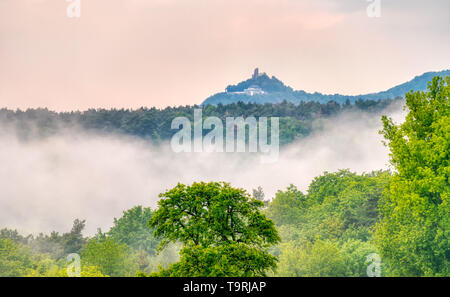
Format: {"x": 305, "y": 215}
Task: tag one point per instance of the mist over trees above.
{"x": 218, "y": 230}
{"x": 337, "y": 227}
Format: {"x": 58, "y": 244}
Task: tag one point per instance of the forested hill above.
{"x": 296, "y": 120}
{"x": 261, "y": 88}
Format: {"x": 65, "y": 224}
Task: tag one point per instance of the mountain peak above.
{"x": 259, "y": 81}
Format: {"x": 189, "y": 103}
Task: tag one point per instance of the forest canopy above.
{"x": 296, "y": 120}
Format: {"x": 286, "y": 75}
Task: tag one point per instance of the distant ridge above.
{"x": 261, "y": 88}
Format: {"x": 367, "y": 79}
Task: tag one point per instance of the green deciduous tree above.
{"x": 110, "y": 257}
{"x": 132, "y": 229}
{"x": 14, "y": 259}
{"x": 233, "y": 259}
{"x": 321, "y": 258}
{"x": 74, "y": 241}
{"x": 413, "y": 236}
{"x": 287, "y": 206}
{"x": 328, "y": 231}
{"x": 219, "y": 226}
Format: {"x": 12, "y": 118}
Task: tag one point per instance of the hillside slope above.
{"x": 261, "y": 88}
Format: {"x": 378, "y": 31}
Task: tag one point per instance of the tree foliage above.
{"x": 296, "y": 120}
{"x": 110, "y": 257}
{"x": 132, "y": 229}
{"x": 327, "y": 232}
{"x": 413, "y": 235}
{"x": 14, "y": 260}
{"x": 218, "y": 225}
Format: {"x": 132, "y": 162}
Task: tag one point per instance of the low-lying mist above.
{"x": 46, "y": 183}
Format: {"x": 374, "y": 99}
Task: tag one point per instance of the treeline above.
{"x": 296, "y": 120}
{"x": 129, "y": 246}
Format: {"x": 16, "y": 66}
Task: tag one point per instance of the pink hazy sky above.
{"x": 133, "y": 53}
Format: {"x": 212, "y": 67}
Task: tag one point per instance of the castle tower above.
{"x": 256, "y": 73}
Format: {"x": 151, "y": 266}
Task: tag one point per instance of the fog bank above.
{"x": 45, "y": 184}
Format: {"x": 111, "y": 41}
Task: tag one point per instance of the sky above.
{"x": 133, "y": 53}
